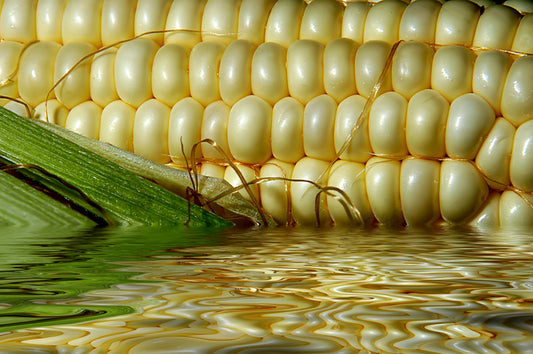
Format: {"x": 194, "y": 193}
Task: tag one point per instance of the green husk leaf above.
{"x": 126, "y": 197}
{"x": 22, "y": 205}
{"x": 175, "y": 180}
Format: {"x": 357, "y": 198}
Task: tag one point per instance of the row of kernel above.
{"x": 104, "y": 22}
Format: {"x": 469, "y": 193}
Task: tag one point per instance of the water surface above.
{"x": 266, "y": 291}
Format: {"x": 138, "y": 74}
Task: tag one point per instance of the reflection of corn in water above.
{"x": 433, "y": 293}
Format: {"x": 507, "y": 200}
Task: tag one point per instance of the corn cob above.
{"x": 282, "y": 116}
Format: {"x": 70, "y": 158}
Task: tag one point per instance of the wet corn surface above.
{"x": 328, "y": 290}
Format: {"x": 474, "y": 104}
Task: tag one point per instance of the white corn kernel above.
{"x": 220, "y": 20}
{"x": 497, "y": 27}
{"x": 517, "y": 96}
{"x": 274, "y": 194}
{"x": 75, "y": 87}
{"x": 516, "y": 210}
{"x": 494, "y": 155}
{"x": 116, "y": 125}
{"x": 521, "y": 167}
{"x": 490, "y": 70}
{"x": 48, "y": 20}
{"x": 452, "y": 71}
{"x": 102, "y": 77}
{"x": 212, "y": 170}
{"x": 353, "y": 22}
{"x": 249, "y": 125}
{"x": 411, "y": 68}
{"x": 305, "y": 70}
{"x": 170, "y": 73}
{"x": 318, "y": 128}
{"x": 350, "y": 178}
{"x": 347, "y": 117}
{"x": 339, "y": 68}
{"x": 17, "y": 20}
{"x": 84, "y": 119}
{"x": 215, "y": 127}
{"x": 469, "y": 121}
{"x": 383, "y": 189}
{"x": 303, "y": 194}
{"x": 419, "y": 21}
{"x": 322, "y": 21}
{"x": 17, "y": 108}
{"x": 133, "y": 76}
{"x": 283, "y": 25}
{"x": 523, "y": 6}
{"x": 253, "y": 16}
{"x": 184, "y": 129}
{"x": 370, "y": 61}
{"x": 269, "y": 72}
{"x": 117, "y": 20}
{"x": 287, "y": 130}
{"x": 457, "y": 23}
{"x": 523, "y": 39}
{"x": 185, "y": 16}
{"x": 249, "y": 174}
{"x": 9, "y": 63}
{"x": 235, "y": 70}
{"x": 426, "y": 122}
{"x": 151, "y": 15}
{"x": 51, "y": 111}
{"x": 489, "y": 216}
{"x": 383, "y": 21}
{"x": 35, "y": 74}
{"x": 151, "y": 124}
{"x": 419, "y": 191}
{"x": 462, "y": 191}
{"x": 81, "y": 22}
{"x": 387, "y": 125}
{"x": 204, "y": 63}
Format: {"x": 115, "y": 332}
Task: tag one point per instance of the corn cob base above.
{"x": 424, "y": 133}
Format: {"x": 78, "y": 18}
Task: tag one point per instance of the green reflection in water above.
{"x": 38, "y": 265}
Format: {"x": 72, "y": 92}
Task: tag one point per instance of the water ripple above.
{"x": 328, "y": 292}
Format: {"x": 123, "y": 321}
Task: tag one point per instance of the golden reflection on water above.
{"x": 315, "y": 291}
